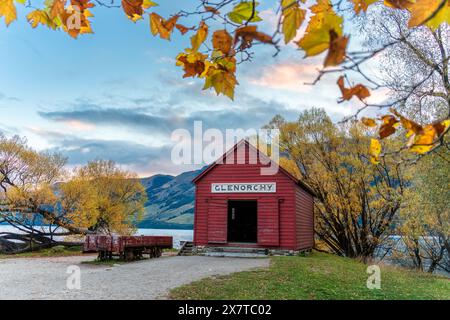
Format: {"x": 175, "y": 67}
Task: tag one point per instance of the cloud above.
{"x": 5, "y": 97}
{"x": 249, "y": 112}
{"x": 286, "y": 75}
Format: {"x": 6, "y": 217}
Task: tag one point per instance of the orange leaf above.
{"x": 162, "y": 27}
{"x": 222, "y": 41}
{"x": 336, "y": 53}
{"x": 182, "y": 28}
{"x": 133, "y": 9}
{"x": 248, "y": 34}
{"x": 193, "y": 63}
{"x": 359, "y": 90}
{"x": 57, "y": 8}
{"x": 369, "y": 122}
{"x": 388, "y": 126}
{"x": 211, "y": 9}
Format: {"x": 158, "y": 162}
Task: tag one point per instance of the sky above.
{"x": 118, "y": 95}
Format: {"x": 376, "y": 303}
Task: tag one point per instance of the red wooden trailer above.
{"x": 126, "y": 247}
{"x": 237, "y": 206}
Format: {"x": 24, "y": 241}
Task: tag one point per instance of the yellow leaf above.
{"x": 148, "y": 4}
{"x": 429, "y": 12}
{"x": 221, "y": 77}
{"x": 293, "y": 17}
{"x": 317, "y": 35}
{"x": 369, "y": 122}
{"x": 442, "y": 16}
{"x": 8, "y": 10}
{"x": 375, "y": 150}
{"x": 198, "y": 38}
{"x": 427, "y": 139}
{"x": 245, "y": 11}
{"x": 362, "y": 5}
{"x": 37, "y": 17}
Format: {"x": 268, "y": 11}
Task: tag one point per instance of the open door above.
{"x": 242, "y": 221}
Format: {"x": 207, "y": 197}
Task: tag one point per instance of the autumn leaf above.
{"x": 244, "y": 12}
{"x": 429, "y": 12}
{"x": 398, "y": 4}
{"x": 200, "y": 37}
{"x": 388, "y": 126}
{"x": 336, "y": 53}
{"x": 442, "y": 16}
{"x": 183, "y": 29}
{"x": 374, "y": 151}
{"x": 359, "y": 90}
{"x": 222, "y": 41}
{"x": 193, "y": 63}
{"x": 75, "y": 21}
{"x": 133, "y": 9}
{"x": 222, "y": 81}
{"x": 8, "y": 10}
{"x": 162, "y": 27}
{"x": 212, "y": 10}
{"x": 248, "y": 34}
{"x": 317, "y": 34}
{"x": 362, "y": 5}
{"x": 82, "y": 4}
{"x": 57, "y": 8}
{"x": 293, "y": 17}
{"x": 148, "y": 4}
{"x": 412, "y": 128}
{"x": 369, "y": 122}
{"x": 37, "y": 17}
{"x": 427, "y": 139}
{"x": 220, "y": 75}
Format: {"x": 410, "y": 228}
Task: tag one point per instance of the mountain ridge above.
{"x": 170, "y": 200}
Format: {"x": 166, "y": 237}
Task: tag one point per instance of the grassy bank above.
{"x": 317, "y": 276}
{"x": 58, "y": 251}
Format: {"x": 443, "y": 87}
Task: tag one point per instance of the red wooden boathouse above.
{"x": 237, "y": 206}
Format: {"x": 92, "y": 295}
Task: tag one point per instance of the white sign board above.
{"x": 249, "y": 187}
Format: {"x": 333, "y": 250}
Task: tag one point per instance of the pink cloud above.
{"x": 288, "y": 76}
{"x": 79, "y": 125}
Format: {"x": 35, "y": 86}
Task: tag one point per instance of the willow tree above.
{"x": 37, "y": 190}
{"x": 356, "y": 201}
{"x": 425, "y": 215}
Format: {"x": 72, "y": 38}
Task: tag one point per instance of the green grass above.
{"x": 316, "y": 276}
{"x": 58, "y": 251}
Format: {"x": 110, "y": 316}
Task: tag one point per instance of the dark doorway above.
{"x": 242, "y": 221}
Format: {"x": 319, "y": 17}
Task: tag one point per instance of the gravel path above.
{"x": 45, "y": 278}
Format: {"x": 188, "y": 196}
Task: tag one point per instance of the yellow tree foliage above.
{"x": 355, "y": 202}
{"x": 102, "y": 197}
{"x": 99, "y": 197}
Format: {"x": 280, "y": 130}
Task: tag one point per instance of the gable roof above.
{"x": 261, "y": 154}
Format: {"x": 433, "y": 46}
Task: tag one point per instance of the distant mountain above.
{"x": 170, "y": 201}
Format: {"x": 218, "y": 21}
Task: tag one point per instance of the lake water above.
{"x": 178, "y": 235}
